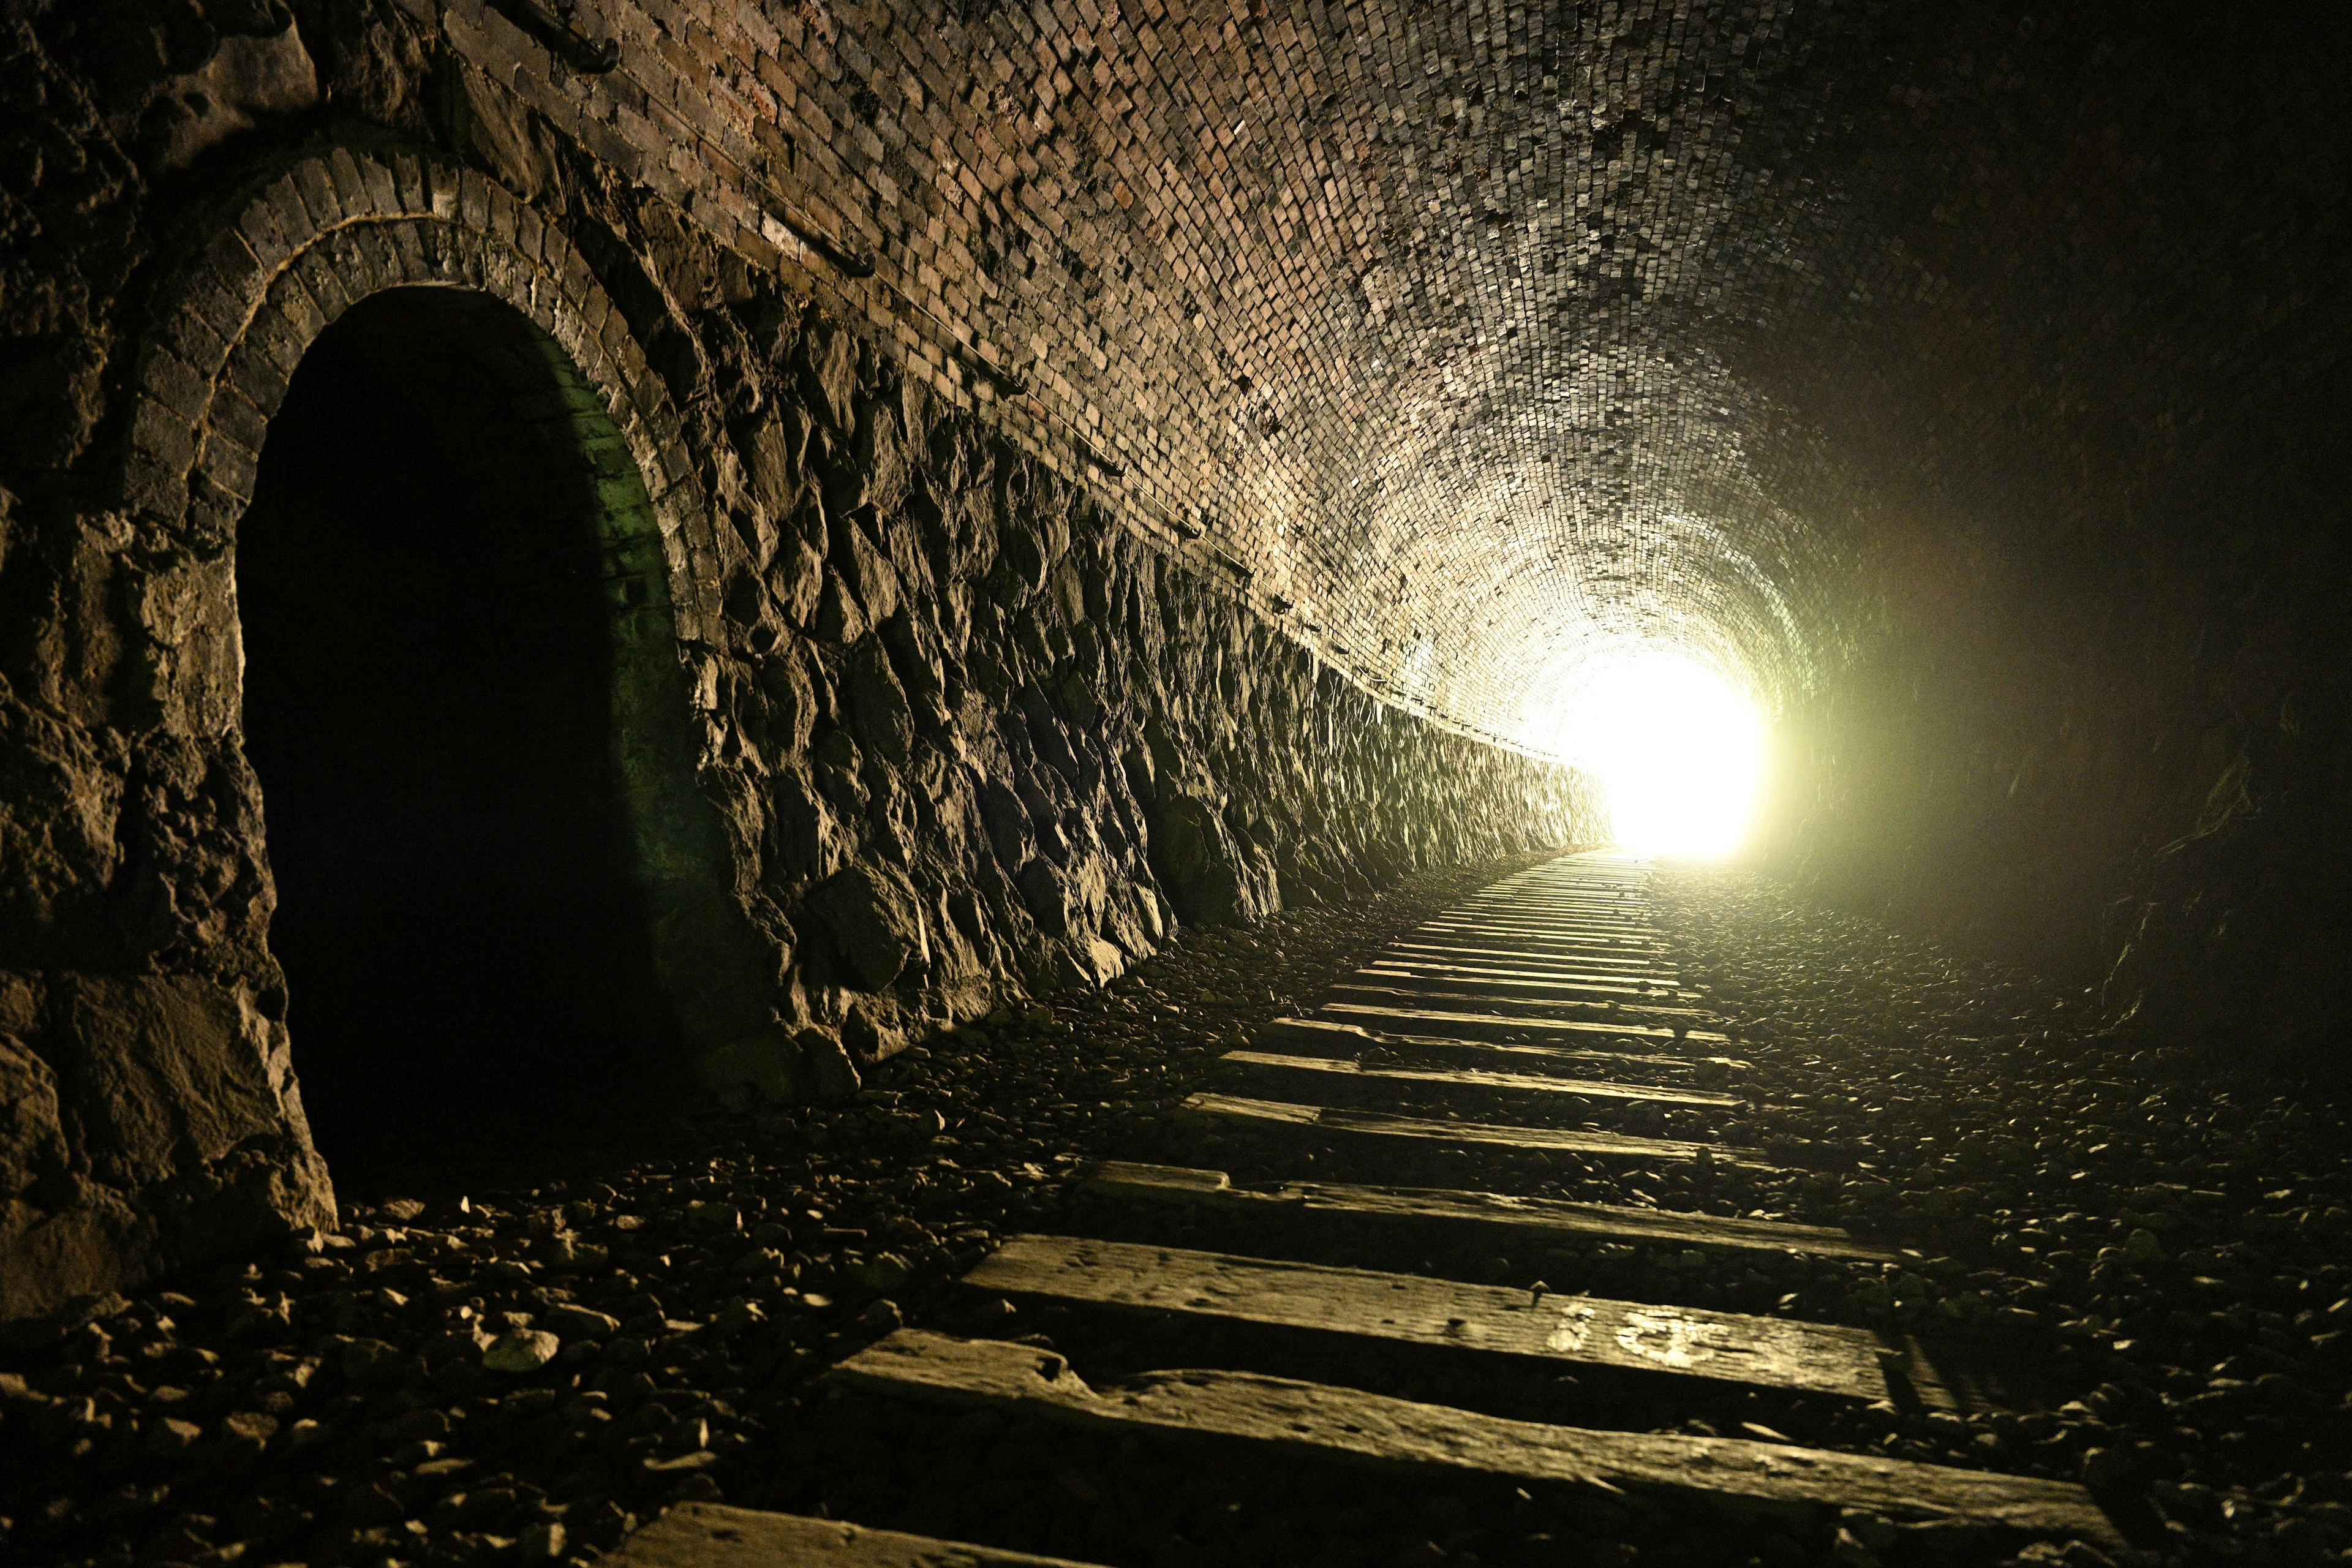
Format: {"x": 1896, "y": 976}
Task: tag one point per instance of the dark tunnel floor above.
{"x": 2142, "y": 1255}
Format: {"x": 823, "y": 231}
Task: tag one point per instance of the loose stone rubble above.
{"x": 2156, "y": 1233}
{"x": 493, "y": 1375}
{"x": 2136, "y": 1259}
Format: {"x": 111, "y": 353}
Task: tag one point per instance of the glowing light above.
{"x": 1677, "y": 749}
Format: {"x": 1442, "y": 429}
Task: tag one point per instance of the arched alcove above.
{"x": 459, "y": 347}
{"x": 443, "y": 581}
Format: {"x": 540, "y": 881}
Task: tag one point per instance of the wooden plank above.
{"x": 1552, "y": 1221}
{"x": 1559, "y": 892}
{"x": 1729, "y": 1347}
{"x": 1484, "y": 967}
{"x": 1473, "y": 931}
{"x": 1331, "y": 1037}
{"x": 1621, "y": 914}
{"x": 1627, "y": 911}
{"x": 1276, "y": 1114}
{"x": 1548, "y": 940}
{"x": 1552, "y": 946}
{"x": 1531, "y": 970}
{"x": 1612, "y": 923}
{"x": 1542, "y": 964}
{"x": 1435, "y": 973}
{"x": 712, "y": 1535}
{"x": 1398, "y": 972}
{"x": 1473, "y": 997}
{"x": 1603, "y": 933}
{"x": 1609, "y": 891}
{"x": 1617, "y": 918}
{"x": 1406, "y": 989}
{"x": 1442, "y": 1079}
{"x": 1614, "y": 957}
{"x": 1483, "y": 1025}
{"x": 1312, "y": 1420}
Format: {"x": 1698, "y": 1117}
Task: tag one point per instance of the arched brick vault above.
{"x": 1970, "y": 378}
{"x": 1472, "y": 337}
{"x": 937, "y": 721}
{"x": 1961, "y": 376}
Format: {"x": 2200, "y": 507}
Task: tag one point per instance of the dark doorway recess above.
{"x": 428, "y": 588}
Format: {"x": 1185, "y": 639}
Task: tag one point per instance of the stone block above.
{"x": 875, "y": 921}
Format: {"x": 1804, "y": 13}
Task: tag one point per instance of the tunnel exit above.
{"x": 1678, "y": 749}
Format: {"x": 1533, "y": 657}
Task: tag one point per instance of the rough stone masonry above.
{"x": 933, "y": 719}
{"x": 1967, "y": 381}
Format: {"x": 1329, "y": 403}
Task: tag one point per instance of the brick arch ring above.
{"x": 333, "y": 230}
{"x": 329, "y": 232}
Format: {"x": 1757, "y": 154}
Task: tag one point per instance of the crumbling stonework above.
{"x": 927, "y": 721}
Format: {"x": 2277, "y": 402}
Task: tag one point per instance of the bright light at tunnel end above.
{"x": 1677, "y": 749}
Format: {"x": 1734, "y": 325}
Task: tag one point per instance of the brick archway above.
{"x": 347, "y": 226}
{"x": 329, "y": 232}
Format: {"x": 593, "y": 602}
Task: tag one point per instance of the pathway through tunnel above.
{"x": 429, "y": 706}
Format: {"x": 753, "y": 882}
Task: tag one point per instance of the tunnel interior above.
{"x": 430, "y": 707}
{"x": 1150, "y": 494}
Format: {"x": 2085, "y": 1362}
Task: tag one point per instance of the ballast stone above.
{"x": 876, "y": 922}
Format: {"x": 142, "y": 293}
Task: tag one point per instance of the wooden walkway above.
{"x": 1550, "y": 997}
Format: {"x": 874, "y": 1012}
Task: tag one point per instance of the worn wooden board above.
{"x": 1627, "y": 899}
{"x": 1552, "y": 945}
{"x": 1471, "y": 997}
{"x": 1419, "y": 972}
{"x": 1487, "y": 1026}
{"x": 1422, "y": 974}
{"x": 1555, "y": 1220}
{"x": 1441, "y": 1081}
{"x": 1609, "y": 925}
{"x": 1596, "y": 932}
{"x": 1527, "y": 913}
{"x": 1731, "y": 1347}
{"x": 1275, "y": 1113}
{"x": 712, "y": 1535}
{"x": 1613, "y": 955}
{"x": 1329, "y": 1037}
{"x": 1541, "y": 965}
{"x": 1433, "y": 966}
{"x": 1285, "y": 1415}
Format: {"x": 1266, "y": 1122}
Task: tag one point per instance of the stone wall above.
{"x": 939, "y": 720}
{"x": 979, "y": 729}
{"x": 2086, "y": 393}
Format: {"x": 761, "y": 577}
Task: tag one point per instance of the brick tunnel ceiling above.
{"x": 1489, "y": 339}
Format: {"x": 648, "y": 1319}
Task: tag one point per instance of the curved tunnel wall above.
{"x": 1965, "y": 381}
{"x": 908, "y": 724}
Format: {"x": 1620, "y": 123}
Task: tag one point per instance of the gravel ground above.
{"x": 2137, "y": 1250}
{"x": 516, "y": 1373}
{"x": 2154, "y": 1237}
